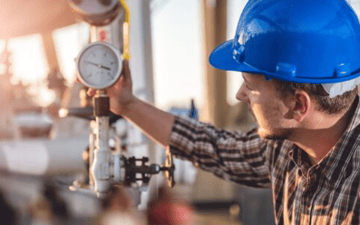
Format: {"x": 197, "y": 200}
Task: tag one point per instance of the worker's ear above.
{"x": 301, "y": 106}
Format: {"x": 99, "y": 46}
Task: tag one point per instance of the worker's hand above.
{"x": 121, "y": 92}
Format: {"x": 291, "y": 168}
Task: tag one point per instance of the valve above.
{"x": 106, "y": 167}
{"x": 99, "y": 66}
{"x": 169, "y": 168}
{"x": 131, "y": 170}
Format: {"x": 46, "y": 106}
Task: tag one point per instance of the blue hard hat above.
{"x": 303, "y": 41}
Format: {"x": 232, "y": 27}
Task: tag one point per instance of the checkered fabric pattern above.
{"x": 325, "y": 193}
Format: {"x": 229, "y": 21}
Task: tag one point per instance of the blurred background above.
{"x": 41, "y": 153}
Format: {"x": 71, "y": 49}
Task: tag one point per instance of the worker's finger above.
{"x": 91, "y": 92}
{"x": 126, "y": 71}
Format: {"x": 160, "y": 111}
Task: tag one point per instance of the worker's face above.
{"x": 268, "y": 109}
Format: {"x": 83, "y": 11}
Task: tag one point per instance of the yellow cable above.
{"x": 126, "y": 29}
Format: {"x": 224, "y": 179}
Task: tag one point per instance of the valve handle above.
{"x": 169, "y": 168}
{"x": 146, "y": 171}
{"x": 85, "y": 113}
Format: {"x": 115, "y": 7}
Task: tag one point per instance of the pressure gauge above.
{"x": 99, "y": 65}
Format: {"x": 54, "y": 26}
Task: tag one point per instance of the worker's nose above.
{"x": 241, "y": 94}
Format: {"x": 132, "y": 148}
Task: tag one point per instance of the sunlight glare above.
{"x": 28, "y": 59}
{"x": 68, "y": 42}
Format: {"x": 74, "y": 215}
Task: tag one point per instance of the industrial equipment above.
{"x": 99, "y": 66}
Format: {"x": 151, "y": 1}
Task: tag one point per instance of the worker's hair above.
{"x": 325, "y": 103}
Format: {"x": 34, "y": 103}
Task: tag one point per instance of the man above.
{"x": 300, "y": 61}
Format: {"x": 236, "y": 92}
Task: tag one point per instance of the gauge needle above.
{"x": 98, "y": 65}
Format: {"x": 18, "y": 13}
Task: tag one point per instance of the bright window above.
{"x": 68, "y": 42}
{"x": 29, "y": 66}
{"x": 178, "y": 54}
{"x": 28, "y": 58}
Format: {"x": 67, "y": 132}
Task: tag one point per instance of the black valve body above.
{"x": 101, "y": 106}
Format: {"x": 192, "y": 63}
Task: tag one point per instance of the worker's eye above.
{"x": 248, "y": 87}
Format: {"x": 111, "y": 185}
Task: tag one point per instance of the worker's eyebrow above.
{"x": 245, "y": 79}
{"x": 248, "y": 83}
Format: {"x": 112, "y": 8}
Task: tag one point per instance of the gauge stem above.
{"x": 100, "y": 92}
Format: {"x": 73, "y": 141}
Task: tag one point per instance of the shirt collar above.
{"x": 300, "y": 158}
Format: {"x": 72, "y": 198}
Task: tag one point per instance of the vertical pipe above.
{"x": 101, "y": 165}
{"x": 214, "y": 34}
{"x": 141, "y": 54}
{"x": 50, "y": 50}
{"x": 214, "y": 16}
{"x": 91, "y": 155}
{"x": 148, "y": 63}
{"x": 146, "y": 37}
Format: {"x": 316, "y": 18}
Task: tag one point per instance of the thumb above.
{"x": 91, "y": 92}
{"x": 126, "y": 71}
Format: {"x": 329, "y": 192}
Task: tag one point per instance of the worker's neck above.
{"x": 322, "y": 133}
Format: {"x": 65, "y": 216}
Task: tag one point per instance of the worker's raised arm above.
{"x": 154, "y": 122}
{"x": 212, "y": 148}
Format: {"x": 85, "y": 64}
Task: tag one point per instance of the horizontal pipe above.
{"x": 42, "y": 156}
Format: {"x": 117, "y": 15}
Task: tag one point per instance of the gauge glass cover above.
{"x": 99, "y": 65}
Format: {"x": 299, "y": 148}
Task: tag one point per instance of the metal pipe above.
{"x": 101, "y": 165}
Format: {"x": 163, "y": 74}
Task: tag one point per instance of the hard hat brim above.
{"x": 222, "y": 58}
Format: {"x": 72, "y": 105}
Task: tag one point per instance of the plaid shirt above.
{"x": 325, "y": 193}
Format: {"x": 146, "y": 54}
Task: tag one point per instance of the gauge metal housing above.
{"x": 99, "y": 65}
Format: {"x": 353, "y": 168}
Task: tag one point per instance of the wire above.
{"x": 126, "y": 29}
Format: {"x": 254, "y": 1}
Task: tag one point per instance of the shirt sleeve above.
{"x": 237, "y": 156}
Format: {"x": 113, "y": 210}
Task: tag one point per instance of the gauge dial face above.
{"x": 99, "y": 65}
